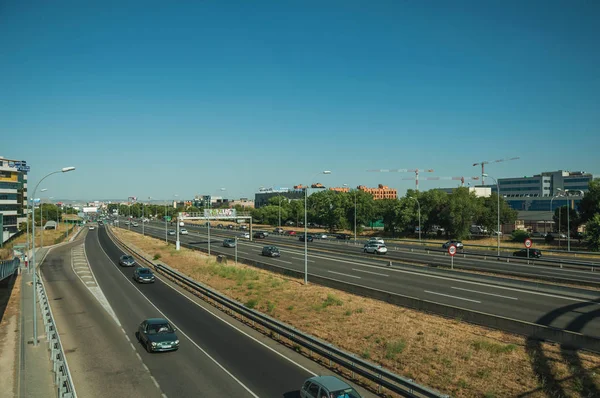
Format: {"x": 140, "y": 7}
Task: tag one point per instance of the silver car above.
{"x": 126, "y": 260}
{"x": 376, "y": 248}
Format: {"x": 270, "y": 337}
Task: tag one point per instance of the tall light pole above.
{"x": 279, "y": 194}
{"x": 35, "y": 336}
{"x": 346, "y": 185}
{"x": 166, "y": 233}
{"x": 419, "y": 205}
{"x": 581, "y": 193}
{"x": 498, "y": 197}
{"x": 306, "y": 227}
{"x": 209, "y": 216}
{"x": 41, "y": 218}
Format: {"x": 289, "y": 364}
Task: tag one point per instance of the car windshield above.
{"x": 160, "y": 328}
{"x": 128, "y": 258}
{"x": 144, "y": 271}
{"x": 346, "y": 393}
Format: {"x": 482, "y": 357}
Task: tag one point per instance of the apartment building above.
{"x": 13, "y": 196}
{"x": 381, "y": 192}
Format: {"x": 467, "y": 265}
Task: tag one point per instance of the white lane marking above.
{"x": 282, "y": 261}
{"x": 241, "y": 252}
{"x": 489, "y": 294}
{"x": 177, "y": 327}
{"x": 456, "y": 297}
{"x": 296, "y": 258}
{"x": 340, "y": 273}
{"x": 228, "y": 324}
{"x": 86, "y": 276}
{"x": 369, "y": 272}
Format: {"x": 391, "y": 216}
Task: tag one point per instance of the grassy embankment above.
{"x": 450, "y": 356}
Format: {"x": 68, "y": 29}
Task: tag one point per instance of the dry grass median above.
{"x": 448, "y": 355}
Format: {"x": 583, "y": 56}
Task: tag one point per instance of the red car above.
{"x": 290, "y": 233}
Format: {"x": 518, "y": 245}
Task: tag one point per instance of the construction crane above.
{"x": 482, "y": 164}
{"x": 416, "y": 171}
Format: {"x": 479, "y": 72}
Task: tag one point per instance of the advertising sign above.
{"x": 219, "y": 213}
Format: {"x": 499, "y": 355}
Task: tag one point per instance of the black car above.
{"x": 259, "y": 235}
{"x": 157, "y": 334}
{"x": 143, "y": 275}
{"x": 342, "y": 236}
{"x": 459, "y": 245}
{"x": 309, "y": 238}
{"x": 219, "y": 225}
{"x": 126, "y": 260}
{"x": 533, "y": 253}
{"x": 271, "y": 251}
{"x": 230, "y": 226}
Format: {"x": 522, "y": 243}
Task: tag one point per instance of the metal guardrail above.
{"x": 356, "y": 365}
{"x": 8, "y": 267}
{"x": 62, "y": 376}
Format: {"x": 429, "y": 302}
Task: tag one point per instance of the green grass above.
{"x": 393, "y": 348}
{"x": 494, "y": 348}
{"x": 365, "y": 354}
{"x": 331, "y": 300}
{"x": 270, "y": 307}
{"x": 157, "y": 256}
{"x": 290, "y": 308}
{"x": 251, "y": 303}
{"x": 241, "y": 275}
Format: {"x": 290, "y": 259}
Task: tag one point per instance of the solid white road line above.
{"x": 368, "y": 272}
{"x": 456, "y": 297}
{"x": 282, "y": 261}
{"x": 340, "y": 273}
{"x": 297, "y": 258}
{"x": 489, "y": 294}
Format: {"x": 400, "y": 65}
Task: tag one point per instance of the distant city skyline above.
{"x": 188, "y": 99}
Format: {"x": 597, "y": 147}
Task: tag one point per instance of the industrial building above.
{"x": 13, "y": 196}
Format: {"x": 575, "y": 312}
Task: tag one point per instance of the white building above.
{"x": 13, "y": 196}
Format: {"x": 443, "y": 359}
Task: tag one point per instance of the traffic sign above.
{"x": 528, "y": 243}
{"x": 452, "y": 250}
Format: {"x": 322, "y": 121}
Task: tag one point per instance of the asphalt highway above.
{"x": 215, "y": 358}
{"x": 367, "y": 270}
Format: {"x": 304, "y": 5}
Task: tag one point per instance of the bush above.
{"x": 549, "y": 238}
{"x": 156, "y": 256}
{"x": 519, "y": 236}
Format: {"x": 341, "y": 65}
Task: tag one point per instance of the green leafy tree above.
{"x": 560, "y": 217}
{"x": 592, "y": 233}
{"x": 589, "y": 205}
{"x": 388, "y": 210}
{"x": 434, "y": 209}
{"x": 463, "y": 208}
{"x": 488, "y": 217}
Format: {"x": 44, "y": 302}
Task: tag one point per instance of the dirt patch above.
{"x": 9, "y": 337}
{"x": 50, "y": 237}
{"x": 450, "y": 356}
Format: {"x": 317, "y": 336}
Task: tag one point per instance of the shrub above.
{"x": 157, "y": 256}
{"x": 519, "y": 236}
{"x": 394, "y": 348}
{"x": 493, "y": 348}
{"x": 549, "y": 238}
{"x": 331, "y": 300}
{"x": 251, "y": 303}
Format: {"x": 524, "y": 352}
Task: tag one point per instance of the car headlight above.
{"x": 176, "y": 342}
{"x": 153, "y": 344}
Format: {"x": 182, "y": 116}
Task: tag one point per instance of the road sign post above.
{"x": 528, "y": 244}
{"x": 452, "y": 252}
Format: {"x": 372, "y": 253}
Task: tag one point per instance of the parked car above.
{"x": 376, "y": 240}
{"x": 126, "y": 260}
{"x": 459, "y": 245}
{"x": 157, "y": 334}
{"x": 143, "y": 275}
{"x": 558, "y": 235}
{"x": 343, "y": 236}
{"x": 374, "y": 247}
{"x": 230, "y": 226}
{"x": 243, "y": 227}
{"x": 533, "y": 253}
{"x": 537, "y": 234}
{"x": 289, "y": 223}
{"x": 327, "y": 386}
{"x": 245, "y": 235}
{"x": 290, "y": 233}
{"x": 229, "y": 243}
{"x": 259, "y": 235}
{"x": 271, "y": 251}
{"x": 278, "y": 230}
{"x": 134, "y": 224}
{"x": 219, "y": 225}
{"x": 309, "y": 238}
{"x": 183, "y": 231}
{"x": 171, "y": 232}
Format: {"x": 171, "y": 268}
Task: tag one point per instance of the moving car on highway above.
{"x": 376, "y": 240}
{"x": 533, "y": 253}
{"x": 134, "y": 224}
{"x": 342, "y": 236}
{"x": 309, "y": 238}
{"x": 245, "y": 235}
{"x": 290, "y": 233}
{"x": 183, "y": 231}
{"x": 328, "y": 387}
{"x": 157, "y": 334}
{"x": 126, "y": 260}
{"x": 373, "y": 247}
{"x": 229, "y": 243}
{"x": 171, "y": 232}
{"x": 459, "y": 245}
{"x": 91, "y": 227}
{"x": 271, "y": 251}
{"x": 259, "y": 235}
{"x": 278, "y": 230}
{"x": 143, "y": 275}
{"x": 320, "y": 236}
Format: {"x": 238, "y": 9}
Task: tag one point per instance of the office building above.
{"x": 262, "y": 197}
{"x": 13, "y": 196}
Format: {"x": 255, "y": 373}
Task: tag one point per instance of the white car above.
{"x": 320, "y": 236}
{"x": 245, "y": 235}
{"x": 376, "y": 240}
{"x": 375, "y": 248}
{"x": 171, "y": 232}
{"x": 183, "y": 231}
{"x": 91, "y": 227}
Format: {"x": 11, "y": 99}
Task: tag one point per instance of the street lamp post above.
{"x": 581, "y": 193}
{"x": 346, "y": 185}
{"x": 306, "y": 228}
{"x": 41, "y": 218}
{"x": 209, "y": 216}
{"x": 35, "y": 337}
{"x": 419, "y": 206}
{"x": 498, "y": 197}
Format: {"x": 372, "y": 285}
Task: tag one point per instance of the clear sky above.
{"x": 186, "y": 97}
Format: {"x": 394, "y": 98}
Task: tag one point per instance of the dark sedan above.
{"x": 309, "y": 238}
{"x": 157, "y": 334}
{"x": 143, "y": 275}
{"x": 533, "y": 253}
{"x": 259, "y": 235}
{"x": 126, "y": 261}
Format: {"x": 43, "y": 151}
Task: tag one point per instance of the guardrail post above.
{"x": 379, "y": 376}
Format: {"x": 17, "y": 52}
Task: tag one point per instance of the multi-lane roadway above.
{"x": 352, "y": 266}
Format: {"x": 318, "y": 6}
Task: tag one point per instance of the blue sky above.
{"x": 161, "y": 98}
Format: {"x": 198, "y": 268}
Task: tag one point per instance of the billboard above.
{"x": 90, "y": 210}
{"x": 219, "y": 213}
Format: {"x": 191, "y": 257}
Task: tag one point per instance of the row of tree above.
{"x": 588, "y": 213}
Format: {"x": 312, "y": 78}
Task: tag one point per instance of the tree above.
{"x": 574, "y": 220}
{"x": 592, "y": 232}
{"x": 388, "y": 210}
{"x": 589, "y": 205}
{"x": 488, "y": 217}
{"x": 434, "y": 208}
{"x": 463, "y": 208}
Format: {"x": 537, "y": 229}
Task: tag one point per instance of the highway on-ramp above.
{"x": 560, "y": 311}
